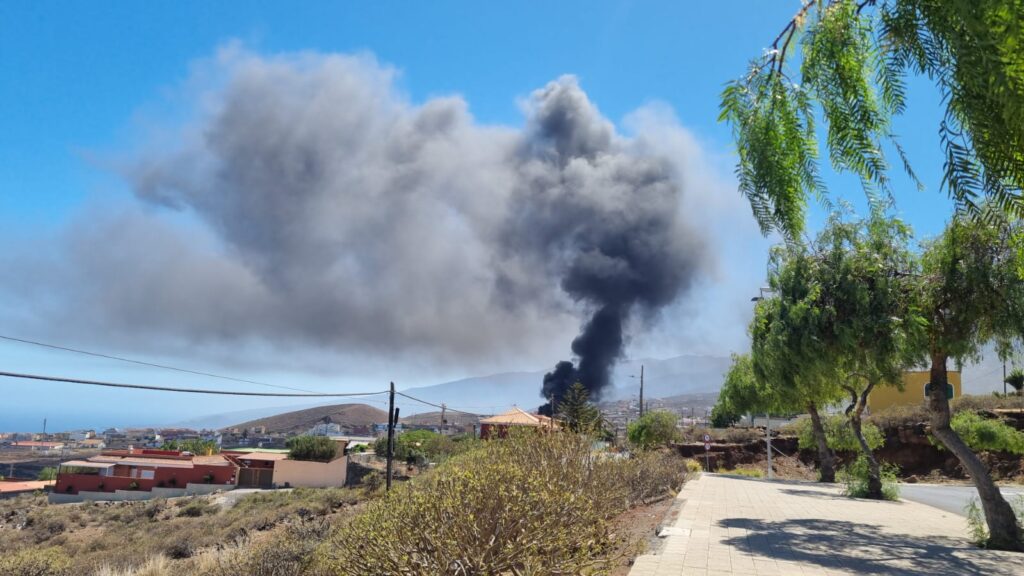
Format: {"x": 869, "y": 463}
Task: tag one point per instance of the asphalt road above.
{"x": 949, "y": 498}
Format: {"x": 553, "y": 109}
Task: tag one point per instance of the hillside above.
{"x": 434, "y": 419}
{"x": 300, "y": 420}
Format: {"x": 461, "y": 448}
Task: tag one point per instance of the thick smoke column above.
{"x": 605, "y": 221}
{"x": 308, "y": 205}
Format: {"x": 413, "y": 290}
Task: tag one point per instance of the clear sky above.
{"x": 86, "y": 84}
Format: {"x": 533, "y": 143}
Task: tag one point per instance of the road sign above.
{"x": 707, "y": 438}
{"x": 707, "y": 446}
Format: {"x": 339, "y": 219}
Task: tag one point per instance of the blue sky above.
{"x": 84, "y": 81}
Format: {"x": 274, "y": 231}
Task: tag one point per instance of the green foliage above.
{"x": 196, "y": 446}
{"x": 577, "y": 413}
{"x": 47, "y": 474}
{"x": 838, "y": 433}
{"x": 1016, "y": 380}
{"x": 970, "y": 292}
{"x": 854, "y": 57}
{"x": 987, "y": 434}
{"x": 312, "y": 448}
{"x": 723, "y": 416}
{"x": 976, "y": 519}
{"x": 855, "y": 479}
{"x": 422, "y": 446}
{"x": 653, "y": 429}
{"x": 36, "y": 562}
{"x": 528, "y": 504}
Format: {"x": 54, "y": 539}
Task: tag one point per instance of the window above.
{"x": 148, "y": 474}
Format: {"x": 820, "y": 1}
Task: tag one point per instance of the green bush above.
{"x": 36, "y": 562}
{"x": 838, "y": 434}
{"x": 422, "y": 446}
{"x": 654, "y": 429}
{"x": 312, "y": 448}
{"x": 529, "y": 504}
{"x": 987, "y": 434}
{"x": 47, "y": 474}
{"x": 855, "y": 478}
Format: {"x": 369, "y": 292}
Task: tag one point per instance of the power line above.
{"x": 150, "y": 364}
{"x": 449, "y": 408}
{"x": 183, "y": 390}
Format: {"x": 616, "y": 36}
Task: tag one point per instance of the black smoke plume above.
{"x": 611, "y": 228}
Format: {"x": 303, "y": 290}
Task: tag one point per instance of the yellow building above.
{"x": 913, "y": 391}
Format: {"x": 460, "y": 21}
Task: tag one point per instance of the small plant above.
{"x": 694, "y": 467}
{"x": 47, "y": 474}
{"x": 133, "y": 486}
{"x": 976, "y": 525}
{"x": 855, "y": 477}
{"x": 208, "y": 479}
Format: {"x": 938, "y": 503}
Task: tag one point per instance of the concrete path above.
{"x": 731, "y": 525}
{"x": 952, "y": 498}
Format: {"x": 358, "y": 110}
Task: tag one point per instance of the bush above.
{"x": 978, "y": 402}
{"x": 838, "y": 434}
{"x": 47, "y": 474}
{"x": 855, "y": 477}
{"x": 747, "y": 472}
{"x": 529, "y": 504}
{"x": 36, "y": 562}
{"x": 653, "y": 429}
{"x": 987, "y": 434}
{"x": 421, "y": 446}
{"x": 312, "y": 448}
{"x": 694, "y": 467}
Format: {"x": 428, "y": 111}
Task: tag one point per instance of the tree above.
{"x": 970, "y": 294}
{"x": 1016, "y": 380}
{"x": 576, "y": 411}
{"x": 854, "y": 57}
{"x": 196, "y": 446}
{"x": 653, "y": 429}
{"x": 786, "y": 345}
{"x": 312, "y": 448}
{"x": 47, "y": 474}
{"x": 865, "y": 275}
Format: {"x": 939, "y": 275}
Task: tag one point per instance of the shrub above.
{"x": 838, "y": 434}
{"x": 47, "y": 474}
{"x": 197, "y": 507}
{"x": 747, "y": 472}
{"x": 312, "y": 448}
{"x": 896, "y": 416}
{"x": 987, "y": 434}
{"x": 739, "y": 435}
{"x": 133, "y": 485}
{"x": 529, "y": 504}
{"x": 978, "y": 402}
{"x": 855, "y": 478}
{"x": 653, "y": 429}
{"x": 693, "y": 466}
{"x": 36, "y": 562}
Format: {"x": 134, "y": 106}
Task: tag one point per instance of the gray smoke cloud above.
{"x": 310, "y": 203}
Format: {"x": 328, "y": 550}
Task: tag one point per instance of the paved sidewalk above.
{"x": 731, "y": 525}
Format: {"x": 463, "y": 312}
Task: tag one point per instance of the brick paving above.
{"x": 730, "y": 525}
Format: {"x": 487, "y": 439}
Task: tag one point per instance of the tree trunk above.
{"x": 874, "y": 470}
{"x": 826, "y": 457}
{"x": 1004, "y": 533}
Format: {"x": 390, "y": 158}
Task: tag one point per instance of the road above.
{"x": 949, "y": 498}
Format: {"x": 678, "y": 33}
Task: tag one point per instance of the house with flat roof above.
{"x": 140, "y": 474}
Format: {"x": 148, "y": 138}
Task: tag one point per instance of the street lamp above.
{"x": 768, "y": 416}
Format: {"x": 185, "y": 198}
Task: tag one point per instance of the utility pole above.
{"x": 443, "y": 421}
{"x": 391, "y": 433}
{"x": 641, "y": 390}
{"x": 768, "y": 438}
{"x": 1004, "y": 377}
